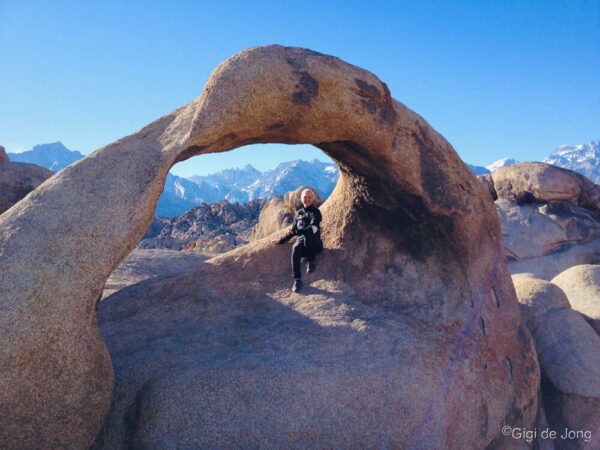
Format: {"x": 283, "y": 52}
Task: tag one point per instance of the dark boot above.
{"x": 297, "y": 285}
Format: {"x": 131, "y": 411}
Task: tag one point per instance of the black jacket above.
{"x": 304, "y": 220}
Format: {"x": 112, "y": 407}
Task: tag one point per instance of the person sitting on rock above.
{"x": 306, "y": 227}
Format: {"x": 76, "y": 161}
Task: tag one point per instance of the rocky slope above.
{"x": 143, "y": 264}
{"x": 210, "y": 229}
{"x": 410, "y": 320}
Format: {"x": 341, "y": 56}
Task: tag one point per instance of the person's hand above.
{"x": 275, "y": 241}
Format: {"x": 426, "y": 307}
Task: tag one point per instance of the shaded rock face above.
{"x": 581, "y": 284}
{"x": 569, "y": 353}
{"x": 550, "y": 217}
{"x": 17, "y": 180}
{"x": 412, "y": 312}
{"x": 210, "y": 228}
{"x": 279, "y": 212}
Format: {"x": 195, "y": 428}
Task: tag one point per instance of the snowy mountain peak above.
{"x": 589, "y": 149}
{"x": 501, "y": 163}
{"x": 584, "y": 158}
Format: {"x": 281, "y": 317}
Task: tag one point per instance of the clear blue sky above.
{"x": 496, "y": 78}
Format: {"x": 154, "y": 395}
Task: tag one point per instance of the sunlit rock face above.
{"x": 569, "y": 355}
{"x": 410, "y": 320}
{"x": 550, "y": 217}
{"x": 581, "y": 284}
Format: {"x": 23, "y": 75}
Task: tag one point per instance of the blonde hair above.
{"x": 306, "y": 191}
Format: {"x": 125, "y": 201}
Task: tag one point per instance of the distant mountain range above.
{"x": 246, "y": 184}
{"x": 478, "y": 170}
{"x": 54, "y": 156}
{"x": 235, "y": 185}
{"x": 501, "y": 163}
{"x": 584, "y": 159}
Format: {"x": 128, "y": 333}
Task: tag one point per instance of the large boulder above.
{"x": 581, "y": 284}
{"x": 19, "y": 179}
{"x": 3, "y": 156}
{"x": 541, "y": 182}
{"x": 569, "y": 354}
{"x": 550, "y": 217}
{"x": 293, "y": 198}
{"x": 410, "y": 320}
{"x": 279, "y": 212}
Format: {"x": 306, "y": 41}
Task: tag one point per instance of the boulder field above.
{"x": 569, "y": 354}
{"x": 550, "y": 217}
{"x": 409, "y": 334}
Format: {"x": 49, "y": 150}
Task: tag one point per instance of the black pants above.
{"x": 304, "y": 248}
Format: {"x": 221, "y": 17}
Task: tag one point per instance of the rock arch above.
{"x": 408, "y": 226}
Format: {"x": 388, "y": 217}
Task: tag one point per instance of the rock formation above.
{"x": 410, "y": 321}
{"x": 550, "y": 217}
{"x": 209, "y": 228}
{"x": 142, "y": 264}
{"x": 3, "y": 155}
{"x": 569, "y": 353}
{"x": 581, "y": 284}
{"x": 279, "y": 212}
{"x": 17, "y": 180}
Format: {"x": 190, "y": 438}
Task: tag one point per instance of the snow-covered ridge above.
{"x": 584, "y": 158}
{"x": 501, "y": 163}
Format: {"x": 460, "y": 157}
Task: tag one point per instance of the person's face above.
{"x": 308, "y": 199}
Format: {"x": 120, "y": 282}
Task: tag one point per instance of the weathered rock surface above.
{"x": 279, "y": 212}
{"x": 158, "y": 223}
{"x": 142, "y": 264}
{"x": 17, "y": 180}
{"x": 550, "y": 217}
{"x": 209, "y": 228}
{"x": 3, "y": 156}
{"x": 541, "y": 182}
{"x": 581, "y": 284}
{"x": 413, "y": 318}
{"x": 569, "y": 354}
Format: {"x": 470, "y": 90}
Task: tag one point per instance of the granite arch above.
{"x": 413, "y": 231}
